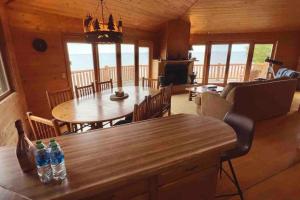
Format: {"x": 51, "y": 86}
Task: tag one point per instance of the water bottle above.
{"x": 42, "y": 160}
{"x": 57, "y": 161}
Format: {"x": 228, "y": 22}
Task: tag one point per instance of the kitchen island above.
{"x": 172, "y": 158}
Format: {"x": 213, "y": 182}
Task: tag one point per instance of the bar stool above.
{"x": 244, "y": 128}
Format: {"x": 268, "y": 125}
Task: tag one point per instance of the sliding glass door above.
{"x": 81, "y": 63}
{"x": 259, "y": 67}
{"x": 218, "y": 60}
{"x": 107, "y": 62}
{"x": 127, "y": 64}
{"x": 238, "y": 62}
{"x": 198, "y": 53}
{"x": 144, "y": 62}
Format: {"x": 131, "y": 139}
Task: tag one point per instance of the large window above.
{"x": 127, "y": 63}
{"x": 81, "y": 63}
{"x": 198, "y": 52}
{"x": 107, "y": 62}
{"x": 238, "y": 62}
{"x": 4, "y": 86}
{"x": 218, "y": 59}
{"x": 259, "y": 68}
{"x": 144, "y": 60}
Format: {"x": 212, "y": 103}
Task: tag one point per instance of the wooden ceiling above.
{"x": 141, "y": 14}
{"x": 227, "y": 16}
{"x": 206, "y": 16}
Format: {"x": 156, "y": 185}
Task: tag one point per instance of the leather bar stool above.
{"x": 244, "y": 128}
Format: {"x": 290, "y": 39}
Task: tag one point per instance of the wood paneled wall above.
{"x": 12, "y": 107}
{"x": 40, "y": 70}
{"x": 288, "y": 49}
{"x": 174, "y": 40}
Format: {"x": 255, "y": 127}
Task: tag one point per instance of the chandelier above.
{"x": 96, "y": 29}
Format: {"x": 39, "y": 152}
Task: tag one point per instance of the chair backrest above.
{"x": 43, "y": 128}
{"x": 150, "y": 82}
{"x": 105, "y": 85}
{"x": 141, "y": 111}
{"x": 244, "y": 128}
{"x": 85, "y": 90}
{"x": 58, "y": 96}
{"x": 156, "y": 105}
{"x": 167, "y": 94}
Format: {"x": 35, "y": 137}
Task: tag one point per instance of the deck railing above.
{"x": 85, "y": 77}
{"x": 216, "y": 73}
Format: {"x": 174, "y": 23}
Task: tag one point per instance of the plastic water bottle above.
{"x": 42, "y": 160}
{"x": 57, "y": 161}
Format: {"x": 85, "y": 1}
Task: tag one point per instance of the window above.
{"x": 81, "y": 63}
{"x": 259, "y": 68}
{"x": 107, "y": 62}
{"x": 4, "y": 85}
{"x": 238, "y": 62}
{"x": 198, "y": 52}
{"x": 144, "y": 59}
{"x": 218, "y": 59}
{"x": 127, "y": 63}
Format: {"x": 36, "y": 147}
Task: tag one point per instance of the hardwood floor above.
{"x": 271, "y": 170}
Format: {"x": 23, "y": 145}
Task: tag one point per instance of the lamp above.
{"x": 97, "y": 30}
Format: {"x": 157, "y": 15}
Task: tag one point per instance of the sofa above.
{"x": 257, "y": 100}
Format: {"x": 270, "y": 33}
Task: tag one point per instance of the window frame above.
{"x": 5, "y": 64}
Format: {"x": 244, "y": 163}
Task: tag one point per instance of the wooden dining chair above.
{"x": 156, "y": 105}
{"x": 105, "y": 85}
{"x": 85, "y": 90}
{"x": 56, "y": 97}
{"x": 167, "y": 95}
{"x": 43, "y": 128}
{"x": 141, "y": 110}
{"x": 150, "y": 82}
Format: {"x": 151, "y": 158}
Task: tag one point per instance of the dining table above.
{"x": 99, "y": 107}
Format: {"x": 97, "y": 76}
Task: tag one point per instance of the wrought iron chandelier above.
{"x": 97, "y": 30}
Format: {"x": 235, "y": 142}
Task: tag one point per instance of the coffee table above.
{"x": 195, "y": 90}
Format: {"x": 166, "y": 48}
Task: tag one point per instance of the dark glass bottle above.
{"x": 25, "y": 149}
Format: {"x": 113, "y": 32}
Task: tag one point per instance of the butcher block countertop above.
{"x": 101, "y": 160}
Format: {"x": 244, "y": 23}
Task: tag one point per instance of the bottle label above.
{"x": 57, "y": 157}
{"x": 42, "y": 158}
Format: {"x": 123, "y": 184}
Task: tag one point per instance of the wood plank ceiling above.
{"x": 227, "y": 16}
{"x": 140, "y": 14}
{"x": 206, "y": 16}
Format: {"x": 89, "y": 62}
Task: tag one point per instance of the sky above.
{"x": 81, "y": 48}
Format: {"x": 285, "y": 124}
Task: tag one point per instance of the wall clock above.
{"x": 39, "y": 45}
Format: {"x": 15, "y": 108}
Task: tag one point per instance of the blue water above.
{"x": 85, "y": 61}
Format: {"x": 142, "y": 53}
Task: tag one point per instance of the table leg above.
{"x": 190, "y": 95}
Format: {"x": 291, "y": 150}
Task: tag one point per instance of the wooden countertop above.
{"x": 102, "y": 159}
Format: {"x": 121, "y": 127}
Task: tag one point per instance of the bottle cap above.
{"x": 52, "y": 140}
{"x": 39, "y": 144}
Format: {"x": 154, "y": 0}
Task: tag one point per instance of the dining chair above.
{"x": 105, "y": 85}
{"x": 244, "y": 129}
{"x": 86, "y": 90}
{"x": 150, "y": 82}
{"x": 43, "y": 128}
{"x": 156, "y": 105}
{"x": 140, "y": 112}
{"x": 167, "y": 95}
{"x": 56, "y": 97}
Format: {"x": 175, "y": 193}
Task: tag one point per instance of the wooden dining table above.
{"x": 99, "y": 107}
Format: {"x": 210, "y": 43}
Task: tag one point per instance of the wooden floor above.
{"x": 271, "y": 171}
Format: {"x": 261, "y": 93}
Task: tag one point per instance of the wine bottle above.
{"x": 25, "y": 149}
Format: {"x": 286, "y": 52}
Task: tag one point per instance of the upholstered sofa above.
{"x": 258, "y": 100}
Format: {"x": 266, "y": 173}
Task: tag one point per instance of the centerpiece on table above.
{"x": 118, "y": 95}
